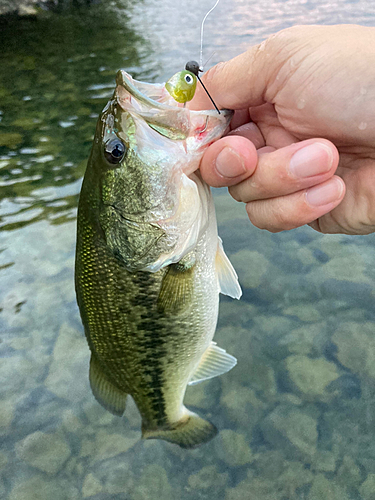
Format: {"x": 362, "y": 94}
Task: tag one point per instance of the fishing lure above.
{"x": 182, "y": 85}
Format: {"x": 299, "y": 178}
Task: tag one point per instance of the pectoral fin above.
{"x": 215, "y": 361}
{"x": 228, "y": 280}
{"x": 177, "y": 288}
{"x": 111, "y": 398}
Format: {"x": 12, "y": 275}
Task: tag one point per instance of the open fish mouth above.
{"x": 155, "y": 95}
{"x": 153, "y": 104}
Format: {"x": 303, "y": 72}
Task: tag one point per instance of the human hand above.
{"x": 305, "y": 106}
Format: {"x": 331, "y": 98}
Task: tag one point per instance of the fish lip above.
{"x": 139, "y": 90}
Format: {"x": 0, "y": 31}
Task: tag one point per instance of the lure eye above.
{"x": 114, "y": 151}
{"x": 189, "y": 79}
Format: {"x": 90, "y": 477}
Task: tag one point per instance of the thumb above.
{"x": 240, "y": 82}
{"x": 253, "y": 77}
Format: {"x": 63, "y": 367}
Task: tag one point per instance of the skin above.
{"x": 301, "y": 146}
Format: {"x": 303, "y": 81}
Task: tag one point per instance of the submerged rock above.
{"x": 208, "y": 478}
{"x": 349, "y": 473}
{"x": 311, "y": 376}
{"x": 91, "y": 486}
{"x": 291, "y": 430}
{"x": 356, "y": 347}
{"x": 242, "y": 406}
{"x": 117, "y": 478}
{"x": 107, "y": 445}
{"x": 307, "y": 339}
{"x": 323, "y": 489}
{"x": 294, "y": 476}
{"x": 233, "y": 449}
{"x": 154, "y": 483}
{"x": 367, "y": 489}
{"x": 251, "y": 267}
{"x": 6, "y": 416}
{"x": 67, "y": 377}
{"x": 254, "y": 489}
{"x": 38, "y": 488}
{"x": 270, "y": 464}
{"x": 305, "y": 312}
{"x": 46, "y": 452}
{"x": 324, "y": 461}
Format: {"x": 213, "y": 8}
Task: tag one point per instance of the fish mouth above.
{"x": 152, "y": 103}
{"x": 151, "y": 93}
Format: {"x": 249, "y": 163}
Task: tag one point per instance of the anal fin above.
{"x": 215, "y": 361}
{"x": 227, "y": 276}
{"x": 109, "y": 396}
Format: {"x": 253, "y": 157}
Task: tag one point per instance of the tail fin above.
{"x": 190, "y": 432}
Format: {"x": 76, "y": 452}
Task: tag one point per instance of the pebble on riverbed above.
{"x": 292, "y": 430}
{"x": 46, "y": 452}
{"x": 311, "y": 376}
{"x": 356, "y": 347}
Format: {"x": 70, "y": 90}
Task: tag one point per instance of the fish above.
{"x": 149, "y": 263}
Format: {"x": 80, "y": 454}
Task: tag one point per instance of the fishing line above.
{"x": 196, "y": 68}
{"x": 213, "y": 102}
{"x": 205, "y": 17}
{"x": 209, "y": 59}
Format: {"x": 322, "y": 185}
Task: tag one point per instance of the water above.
{"x": 297, "y": 413}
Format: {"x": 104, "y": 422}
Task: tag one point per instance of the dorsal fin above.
{"x": 227, "y": 276}
{"x": 215, "y": 361}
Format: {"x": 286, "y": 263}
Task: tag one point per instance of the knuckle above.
{"x": 273, "y": 217}
{"x": 233, "y": 191}
{"x": 247, "y": 190}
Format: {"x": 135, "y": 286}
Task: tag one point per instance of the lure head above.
{"x": 193, "y": 67}
{"x": 182, "y": 85}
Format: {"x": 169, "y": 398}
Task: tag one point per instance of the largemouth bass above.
{"x": 149, "y": 263}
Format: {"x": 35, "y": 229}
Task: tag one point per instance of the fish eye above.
{"x": 114, "y": 151}
{"x": 188, "y": 79}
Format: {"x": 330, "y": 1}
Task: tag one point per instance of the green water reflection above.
{"x": 56, "y": 75}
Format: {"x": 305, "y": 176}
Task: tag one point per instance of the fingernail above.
{"x": 324, "y": 194}
{"x": 229, "y": 163}
{"x": 311, "y": 160}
